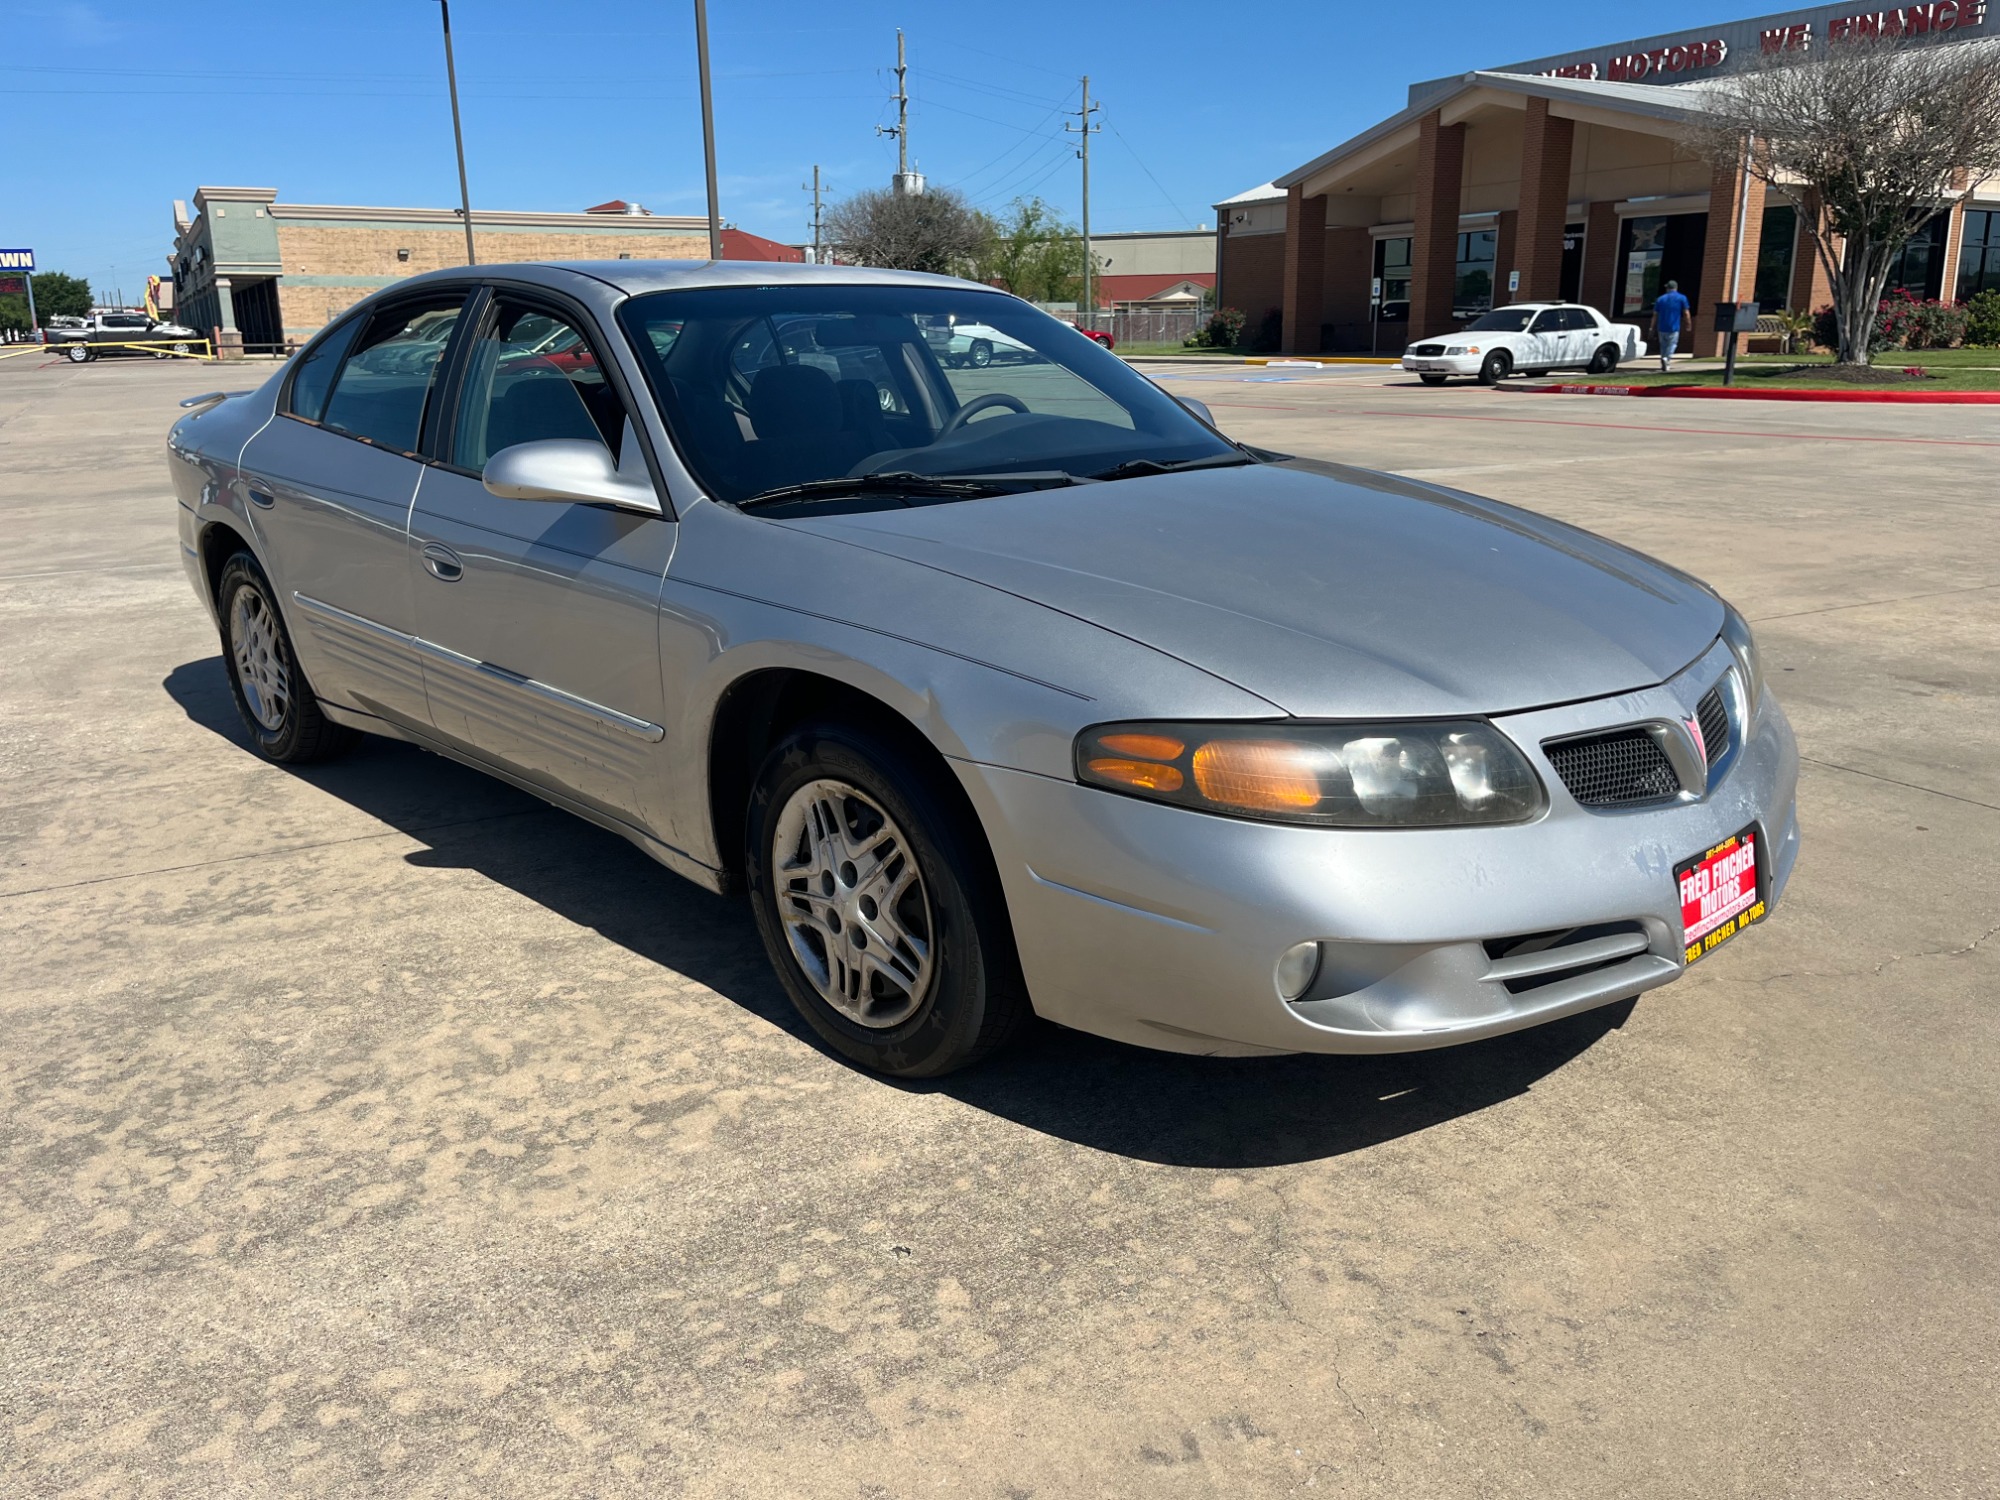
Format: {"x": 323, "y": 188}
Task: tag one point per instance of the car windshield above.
{"x": 769, "y": 388}
{"x": 1502, "y": 320}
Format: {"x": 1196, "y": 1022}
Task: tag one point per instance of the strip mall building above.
{"x": 1565, "y": 177}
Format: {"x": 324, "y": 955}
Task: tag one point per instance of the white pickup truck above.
{"x": 1527, "y": 338}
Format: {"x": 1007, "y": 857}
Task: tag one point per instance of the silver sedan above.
{"x": 999, "y": 690}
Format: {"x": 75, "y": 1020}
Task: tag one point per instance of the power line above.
{"x": 1149, "y": 175}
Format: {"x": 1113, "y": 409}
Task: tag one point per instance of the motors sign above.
{"x": 17, "y": 260}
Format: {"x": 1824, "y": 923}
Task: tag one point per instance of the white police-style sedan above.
{"x": 1527, "y": 338}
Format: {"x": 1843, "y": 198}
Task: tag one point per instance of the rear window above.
{"x": 313, "y": 379}
{"x": 386, "y": 380}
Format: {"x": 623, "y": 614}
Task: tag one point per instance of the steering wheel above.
{"x": 979, "y": 404}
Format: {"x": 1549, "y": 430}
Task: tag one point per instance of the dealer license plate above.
{"x": 1722, "y": 892}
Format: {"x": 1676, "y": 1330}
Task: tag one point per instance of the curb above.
{"x": 1735, "y": 393}
{"x": 1323, "y": 359}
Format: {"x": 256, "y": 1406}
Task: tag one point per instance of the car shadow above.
{"x": 1128, "y": 1101}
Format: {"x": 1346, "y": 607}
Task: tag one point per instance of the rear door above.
{"x": 539, "y": 620}
{"x": 330, "y": 480}
{"x": 1579, "y": 336}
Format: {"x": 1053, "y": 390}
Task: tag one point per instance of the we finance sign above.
{"x": 17, "y": 260}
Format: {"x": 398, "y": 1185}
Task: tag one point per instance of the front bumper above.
{"x": 1443, "y": 364}
{"x": 1161, "y": 926}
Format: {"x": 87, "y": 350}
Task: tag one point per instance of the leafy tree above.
{"x": 935, "y": 231}
{"x": 55, "y": 294}
{"x": 1034, "y": 253}
{"x": 1869, "y": 137}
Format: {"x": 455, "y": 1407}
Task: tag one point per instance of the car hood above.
{"x": 1330, "y": 592}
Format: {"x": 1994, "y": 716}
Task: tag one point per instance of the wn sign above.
{"x": 17, "y": 260}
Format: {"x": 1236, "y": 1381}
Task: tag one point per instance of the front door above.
{"x": 1544, "y": 346}
{"x": 329, "y": 482}
{"x": 539, "y": 620}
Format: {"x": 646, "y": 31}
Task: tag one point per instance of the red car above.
{"x": 1099, "y": 334}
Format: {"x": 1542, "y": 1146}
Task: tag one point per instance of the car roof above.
{"x": 636, "y": 276}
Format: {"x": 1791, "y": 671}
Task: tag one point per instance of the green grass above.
{"x": 1751, "y": 377}
{"x": 1895, "y": 359}
{"x": 1174, "y": 347}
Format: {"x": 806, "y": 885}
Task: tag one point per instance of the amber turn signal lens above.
{"x": 1258, "y": 775}
{"x": 1141, "y": 775}
{"x": 1143, "y": 746}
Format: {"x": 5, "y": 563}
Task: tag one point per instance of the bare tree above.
{"x": 930, "y": 231}
{"x": 1867, "y": 136}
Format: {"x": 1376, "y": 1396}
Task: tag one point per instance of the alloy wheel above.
{"x": 259, "y": 654}
{"x": 853, "y": 903}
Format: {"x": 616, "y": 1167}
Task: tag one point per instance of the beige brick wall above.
{"x": 362, "y": 251}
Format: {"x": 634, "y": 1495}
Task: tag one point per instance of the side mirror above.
{"x": 568, "y": 470}
{"x": 1199, "y": 408}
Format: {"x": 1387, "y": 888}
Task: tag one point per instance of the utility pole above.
{"x": 457, "y": 135}
{"x": 905, "y": 183}
{"x": 708, "y": 130}
{"x": 816, "y": 218}
{"x": 1086, "y": 130}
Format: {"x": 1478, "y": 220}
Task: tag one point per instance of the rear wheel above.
{"x": 878, "y": 905}
{"x": 1431, "y": 379}
{"x": 1497, "y": 366}
{"x": 981, "y": 354}
{"x": 79, "y": 354}
{"x": 272, "y": 695}
{"x": 1605, "y": 360}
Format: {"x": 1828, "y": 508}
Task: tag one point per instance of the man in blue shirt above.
{"x": 1667, "y": 315}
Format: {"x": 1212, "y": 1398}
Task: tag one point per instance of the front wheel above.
{"x": 1605, "y": 360}
{"x": 1431, "y": 379}
{"x": 878, "y": 904}
{"x": 1496, "y": 367}
{"x": 272, "y": 695}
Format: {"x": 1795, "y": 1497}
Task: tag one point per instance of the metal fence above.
{"x": 1154, "y": 325}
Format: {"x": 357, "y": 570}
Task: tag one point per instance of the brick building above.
{"x": 1565, "y": 177}
{"x": 266, "y": 273}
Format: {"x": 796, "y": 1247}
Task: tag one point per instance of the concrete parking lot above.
{"x": 373, "y": 1129}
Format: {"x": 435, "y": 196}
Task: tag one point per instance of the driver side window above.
{"x": 982, "y": 361}
{"x": 1552, "y": 321}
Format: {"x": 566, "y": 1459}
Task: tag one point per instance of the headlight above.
{"x": 1455, "y": 349}
{"x": 1424, "y": 775}
{"x": 1743, "y": 646}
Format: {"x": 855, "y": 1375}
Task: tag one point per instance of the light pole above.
{"x": 457, "y": 135}
{"x": 708, "y": 130}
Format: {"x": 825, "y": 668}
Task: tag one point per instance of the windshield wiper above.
{"x": 1134, "y": 467}
{"x": 906, "y": 482}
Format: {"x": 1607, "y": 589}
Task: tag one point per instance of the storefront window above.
{"x": 1775, "y": 249}
{"x": 1472, "y": 292}
{"x": 1979, "y": 255}
{"x": 1919, "y": 266}
{"x": 1645, "y": 252}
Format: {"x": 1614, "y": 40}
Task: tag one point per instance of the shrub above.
{"x": 1902, "y": 322}
{"x": 1982, "y": 319}
{"x": 1221, "y": 332}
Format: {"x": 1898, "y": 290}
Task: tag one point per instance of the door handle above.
{"x": 261, "y": 498}
{"x": 443, "y": 563}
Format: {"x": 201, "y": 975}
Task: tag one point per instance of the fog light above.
{"x": 1297, "y": 969}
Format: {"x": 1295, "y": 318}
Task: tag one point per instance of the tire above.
{"x": 927, "y": 983}
{"x": 981, "y": 354}
{"x": 1604, "y": 361}
{"x": 1431, "y": 379}
{"x": 78, "y": 354}
{"x": 1496, "y": 367}
{"x": 272, "y": 695}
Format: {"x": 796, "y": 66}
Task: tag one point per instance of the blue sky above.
{"x": 114, "y": 108}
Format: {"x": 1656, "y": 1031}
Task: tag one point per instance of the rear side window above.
{"x": 386, "y": 380}
{"x": 313, "y": 379}
{"x": 1579, "y": 318}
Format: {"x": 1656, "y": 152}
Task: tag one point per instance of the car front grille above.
{"x": 1534, "y": 960}
{"x": 1616, "y": 769}
{"x": 1713, "y": 715}
{"x": 1428, "y": 349}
